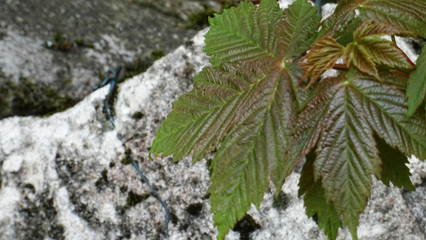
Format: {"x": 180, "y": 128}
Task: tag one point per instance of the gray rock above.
{"x": 89, "y": 37}
{"x": 71, "y": 164}
{"x": 65, "y": 176}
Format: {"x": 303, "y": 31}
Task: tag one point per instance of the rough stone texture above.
{"x": 71, "y": 164}
{"x": 113, "y": 32}
{"x": 62, "y": 177}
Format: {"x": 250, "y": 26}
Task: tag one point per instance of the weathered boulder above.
{"x": 54, "y": 51}
{"x": 67, "y": 176}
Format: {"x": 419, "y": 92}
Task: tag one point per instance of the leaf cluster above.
{"x": 265, "y": 104}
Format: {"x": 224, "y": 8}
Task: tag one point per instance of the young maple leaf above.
{"x": 370, "y": 49}
{"x": 322, "y": 56}
{"x": 245, "y": 105}
{"x": 406, "y": 15}
{"x": 416, "y": 90}
{"x": 355, "y": 124}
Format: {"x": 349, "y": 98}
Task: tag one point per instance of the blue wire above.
{"x": 156, "y": 195}
{"x": 111, "y": 79}
{"x": 112, "y": 85}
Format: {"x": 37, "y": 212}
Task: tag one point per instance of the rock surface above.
{"x": 67, "y": 177}
{"x": 66, "y": 46}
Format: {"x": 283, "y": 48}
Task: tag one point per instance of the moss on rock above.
{"x": 28, "y": 98}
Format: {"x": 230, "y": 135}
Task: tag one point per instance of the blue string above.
{"x": 112, "y": 85}
{"x": 156, "y": 195}
{"x": 111, "y": 79}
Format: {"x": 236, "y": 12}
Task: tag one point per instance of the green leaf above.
{"x": 342, "y": 120}
{"x": 393, "y": 167}
{"x": 315, "y": 201}
{"x": 201, "y": 118}
{"x": 369, "y": 27}
{"x": 337, "y": 23}
{"x": 346, "y": 36}
{"x": 322, "y": 56}
{"x": 408, "y": 15}
{"x": 346, "y": 156}
{"x": 416, "y": 90}
{"x": 295, "y": 72}
{"x": 245, "y": 106}
{"x": 360, "y": 57}
{"x": 309, "y": 123}
{"x": 249, "y": 32}
{"x": 386, "y": 53}
{"x": 301, "y": 22}
{"x": 386, "y": 108}
{"x": 369, "y": 49}
{"x": 342, "y": 4}
{"x": 253, "y": 148}
{"x": 245, "y": 33}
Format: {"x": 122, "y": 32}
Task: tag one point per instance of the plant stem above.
{"x": 342, "y": 67}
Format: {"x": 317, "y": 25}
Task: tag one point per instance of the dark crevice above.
{"x": 246, "y": 226}
{"x": 39, "y": 218}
